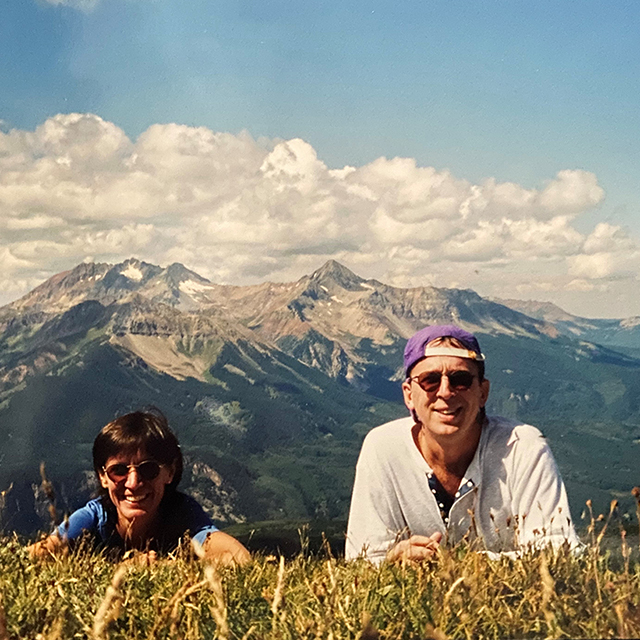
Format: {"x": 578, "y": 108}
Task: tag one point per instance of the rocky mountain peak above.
{"x": 130, "y": 275}
{"x": 334, "y": 273}
{"x": 132, "y": 269}
{"x": 176, "y": 273}
{"x": 62, "y": 290}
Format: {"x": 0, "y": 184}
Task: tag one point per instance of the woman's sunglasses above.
{"x": 147, "y": 470}
{"x": 458, "y": 380}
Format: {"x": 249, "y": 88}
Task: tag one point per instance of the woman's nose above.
{"x": 133, "y": 479}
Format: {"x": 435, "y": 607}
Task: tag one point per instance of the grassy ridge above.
{"x": 460, "y": 595}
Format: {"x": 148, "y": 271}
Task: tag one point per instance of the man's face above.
{"x": 447, "y": 411}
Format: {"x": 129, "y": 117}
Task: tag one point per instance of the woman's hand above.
{"x": 221, "y": 548}
{"x": 415, "y": 549}
{"x": 140, "y": 558}
{"x": 50, "y": 547}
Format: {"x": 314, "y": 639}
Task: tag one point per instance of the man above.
{"x": 449, "y": 471}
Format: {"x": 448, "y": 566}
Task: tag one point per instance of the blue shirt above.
{"x": 179, "y": 514}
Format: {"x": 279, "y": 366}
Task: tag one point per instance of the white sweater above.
{"x": 512, "y": 487}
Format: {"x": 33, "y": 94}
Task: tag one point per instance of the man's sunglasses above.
{"x": 458, "y": 380}
{"x": 147, "y": 470}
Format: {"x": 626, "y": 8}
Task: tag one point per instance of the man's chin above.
{"x": 449, "y": 426}
{"x": 449, "y": 421}
{"x": 448, "y": 429}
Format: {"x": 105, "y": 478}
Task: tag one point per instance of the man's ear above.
{"x": 406, "y": 393}
{"x": 485, "y": 385}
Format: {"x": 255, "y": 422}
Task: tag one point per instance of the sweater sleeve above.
{"x": 374, "y": 525}
{"x": 539, "y": 497}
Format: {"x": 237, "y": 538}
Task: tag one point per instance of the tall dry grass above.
{"x": 461, "y": 594}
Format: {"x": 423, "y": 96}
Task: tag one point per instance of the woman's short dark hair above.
{"x": 146, "y": 431}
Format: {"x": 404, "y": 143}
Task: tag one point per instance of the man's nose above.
{"x": 445, "y": 390}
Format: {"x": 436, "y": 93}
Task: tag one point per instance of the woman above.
{"x": 139, "y": 464}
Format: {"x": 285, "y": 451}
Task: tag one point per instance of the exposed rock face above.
{"x": 254, "y": 369}
{"x": 321, "y": 319}
{"x": 332, "y": 320}
{"x": 217, "y": 497}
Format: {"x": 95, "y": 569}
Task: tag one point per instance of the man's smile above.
{"x": 448, "y": 411}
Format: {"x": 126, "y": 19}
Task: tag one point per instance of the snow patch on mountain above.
{"x": 630, "y": 323}
{"x": 132, "y": 272}
{"x": 191, "y": 286}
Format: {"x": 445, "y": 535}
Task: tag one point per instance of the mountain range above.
{"x": 271, "y": 387}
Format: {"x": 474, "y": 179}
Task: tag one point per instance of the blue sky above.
{"x": 512, "y": 91}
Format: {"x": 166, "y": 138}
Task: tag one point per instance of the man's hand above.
{"x": 415, "y": 549}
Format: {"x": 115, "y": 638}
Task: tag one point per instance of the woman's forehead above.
{"x": 128, "y": 456}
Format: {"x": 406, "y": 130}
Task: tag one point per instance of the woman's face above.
{"x": 136, "y": 491}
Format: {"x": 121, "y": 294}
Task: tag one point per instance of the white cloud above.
{"x": 240, "y": 210}
{"x": 31, "y": 222}
{"x": 593, "y": 266}
{"x": 581, "y": 285}
{"x": 604, "y": 264}
{"x": 82, "y": 5}
{"x": 10, "y": 263}
{"x": 608, "y": 252}
{"x": 572, "y": 191}
{"x": 607, "y": 237}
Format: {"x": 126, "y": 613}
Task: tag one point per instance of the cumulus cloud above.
{"x": 239, "y": 210}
